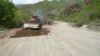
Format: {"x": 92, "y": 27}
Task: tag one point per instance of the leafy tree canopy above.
{"x": 7, "y": 10}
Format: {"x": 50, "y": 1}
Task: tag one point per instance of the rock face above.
{"x": 75, "y": 7}
{"x": 71, "y": 9}
{"x": 88, "y": 1}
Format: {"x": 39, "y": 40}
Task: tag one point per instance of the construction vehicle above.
{"x": 34, "y": 23}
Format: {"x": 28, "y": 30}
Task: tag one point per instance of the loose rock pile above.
{"x": 30, "y": 32}
{"x": 3, "y": 33}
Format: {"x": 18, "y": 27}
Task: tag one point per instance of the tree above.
{"x": 7, "y": 10}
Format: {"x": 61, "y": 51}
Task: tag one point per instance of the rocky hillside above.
{"x": 87, "y": 13}
{"x": 79, "y": 12}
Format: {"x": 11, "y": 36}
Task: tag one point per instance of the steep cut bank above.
{"x": 86, "y": 13}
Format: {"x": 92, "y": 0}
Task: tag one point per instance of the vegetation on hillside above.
{"x": 10, "y": 16}
{"x": 7, "y": 10}
{"x": 75, "y": 11}
{"x": 88, "y": 14}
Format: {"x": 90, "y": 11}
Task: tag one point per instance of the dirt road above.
{"x": 62, "y": 40}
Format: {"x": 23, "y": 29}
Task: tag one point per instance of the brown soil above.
{"x": 30, "y": 32}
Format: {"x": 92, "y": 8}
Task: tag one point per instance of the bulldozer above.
{"x": 34, "y": 23}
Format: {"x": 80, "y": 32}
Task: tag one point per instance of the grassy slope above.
{"x": 89, "y": 13}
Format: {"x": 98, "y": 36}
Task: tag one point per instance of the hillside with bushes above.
{"x": 75, "y": 11}
{"x": 79, "y": 12}
{"x": 10, "y": 15}
{"x": 86, "y": 14}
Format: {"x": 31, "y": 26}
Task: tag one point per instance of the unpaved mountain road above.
{"x": 62, "y": 40}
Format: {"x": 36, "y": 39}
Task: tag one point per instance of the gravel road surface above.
{"x": 63, "y": 40}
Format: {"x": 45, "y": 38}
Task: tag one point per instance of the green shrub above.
{"x": 7, "y": 15}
